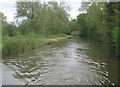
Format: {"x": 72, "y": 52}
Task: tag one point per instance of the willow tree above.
{"x": 43, "y": 18}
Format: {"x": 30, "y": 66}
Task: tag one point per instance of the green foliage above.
{"x": 13, "y": 46}
{"x": 113, "y": 13}
{"x": 43, "y": 19}
{"x": 3, "y": 17}
{"x": 115, "y": 34}
{"x": 9, "y": 29}
{"x": 82, "y": 25}
{"x": 73, "y": 27}
{"x": 16, "y": 45}
{"x": 101, "y": 22}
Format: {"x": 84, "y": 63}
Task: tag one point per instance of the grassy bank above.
{"x": 0, "y": 44}
{"x": 21, "y": 44}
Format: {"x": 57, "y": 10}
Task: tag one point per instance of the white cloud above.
{"x": 73, "y": 14}
{"x": 75, "y": 6}
{"x": 8, "y": 8}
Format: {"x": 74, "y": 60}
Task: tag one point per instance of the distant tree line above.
{"x": 39, "y": 18}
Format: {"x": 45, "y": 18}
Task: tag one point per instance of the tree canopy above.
{"x": 101, "y": 22}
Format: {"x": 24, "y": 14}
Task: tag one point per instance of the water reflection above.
{"x": 68, "y": 62}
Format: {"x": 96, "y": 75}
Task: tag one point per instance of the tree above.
{"x": 82, "y": 24}
{"x": 102, "y": 22}
{"x": 3, "y": 17}
{"x": 45, "y": 18}
{"x": 113, "y": 12}
{"x": 7, "y": 28}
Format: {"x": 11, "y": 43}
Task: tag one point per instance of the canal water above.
{"x": 69, "y": 62}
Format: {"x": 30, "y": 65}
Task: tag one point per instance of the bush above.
{"x": 16, "y": 45}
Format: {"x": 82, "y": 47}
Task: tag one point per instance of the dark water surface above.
{"x": 69, "y": 62}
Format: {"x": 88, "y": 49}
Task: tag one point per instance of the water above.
{"x": 68, "y": 62}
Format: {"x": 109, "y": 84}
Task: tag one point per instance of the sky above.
{"x": 8, "y": 8}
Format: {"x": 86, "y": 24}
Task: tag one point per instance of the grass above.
{"x": 0, "y": 44}
{"x": 15, "y": 45}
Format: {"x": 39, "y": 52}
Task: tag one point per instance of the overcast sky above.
{"x": 8, "y": 8}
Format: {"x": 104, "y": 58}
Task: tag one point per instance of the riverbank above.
{"x": 15, "y": 45}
